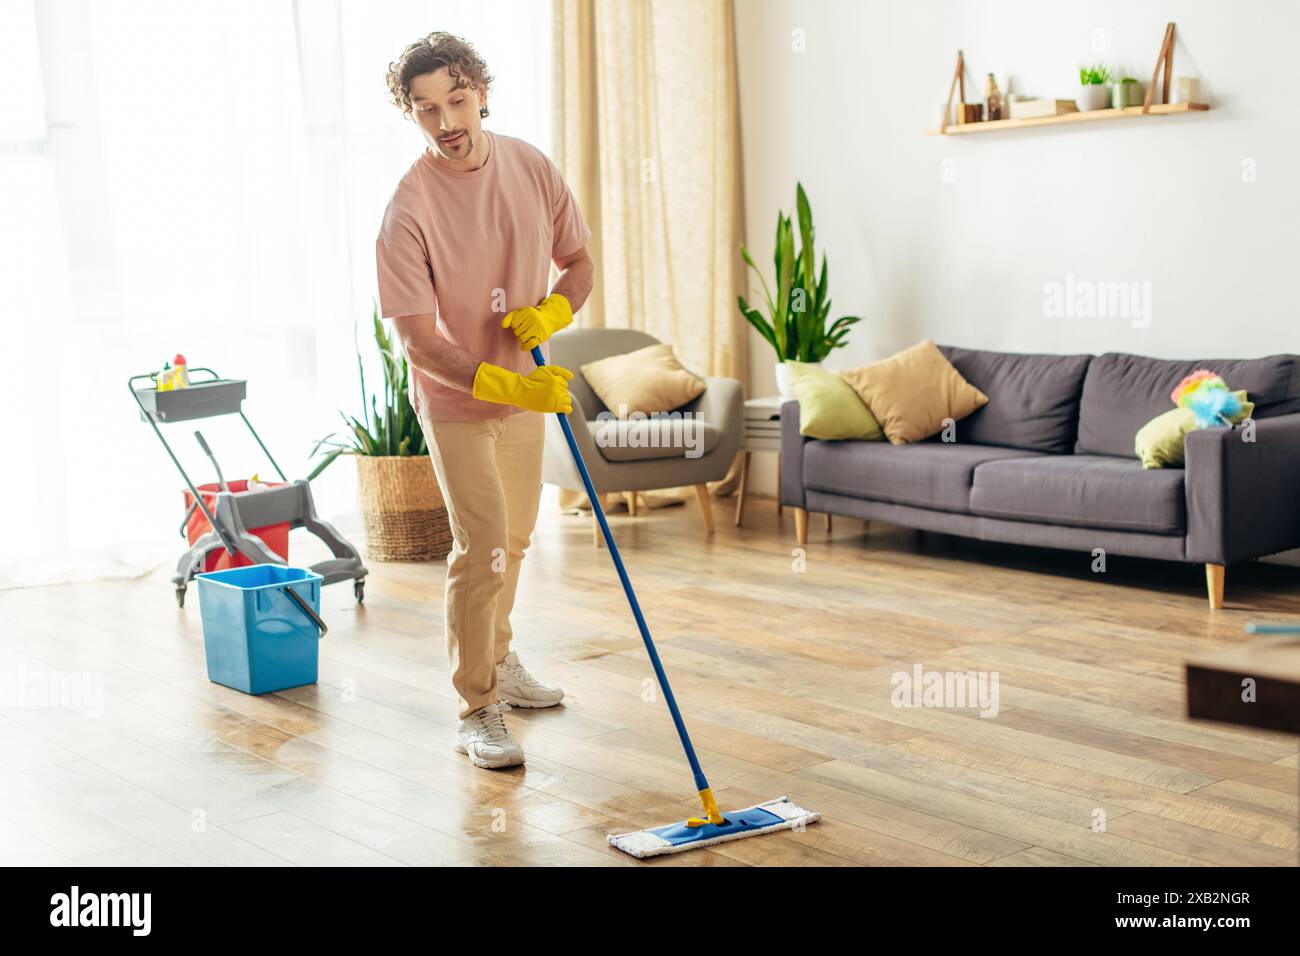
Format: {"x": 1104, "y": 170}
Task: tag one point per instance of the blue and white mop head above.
{"x": 778, "y": 814}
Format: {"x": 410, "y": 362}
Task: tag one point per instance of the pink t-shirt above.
{"x": 470, "y": 246}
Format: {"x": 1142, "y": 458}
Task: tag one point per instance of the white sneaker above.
{"x": 518, "y": 688}
{"x": 484, "y": 738}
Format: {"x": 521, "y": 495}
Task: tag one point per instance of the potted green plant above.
{"x": 1127, "y": 92}
{"x": 402, "y": 507}
{"x": 795, "y": 324}
{"x": 1093, "y": 93}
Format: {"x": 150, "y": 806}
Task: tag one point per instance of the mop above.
{"x": 713, "y": 827}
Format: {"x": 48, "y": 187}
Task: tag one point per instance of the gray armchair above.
{"x": 634, "y": 456}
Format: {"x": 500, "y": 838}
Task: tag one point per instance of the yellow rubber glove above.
{"x": 534, "y": 324}
{"x": 546, "y": 389}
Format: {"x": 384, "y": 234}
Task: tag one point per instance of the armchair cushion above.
{"x": 643, "y": 439}
{"x": 720, "y": 407}
{"x": 647, "y": 380}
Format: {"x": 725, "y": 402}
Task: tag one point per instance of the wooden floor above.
{"x": 785, "y": 677}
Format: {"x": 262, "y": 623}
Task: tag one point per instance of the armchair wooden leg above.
{"x": 801, "y": 525}
{"x": 595, "y": 531}
{"x": 740, "y": 494}
{"x": 1214, "y": 584}
{"x": 706, "y": 506}
{"x": 828, "y": 522}
{"x": 630, "y": 497}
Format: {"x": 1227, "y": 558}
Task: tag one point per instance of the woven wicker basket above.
{"x": 403, "y": 508}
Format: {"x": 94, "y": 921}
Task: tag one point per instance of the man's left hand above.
{"x": 534, "y": 324}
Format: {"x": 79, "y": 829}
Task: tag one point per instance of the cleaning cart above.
{"x": 233, "y": 516}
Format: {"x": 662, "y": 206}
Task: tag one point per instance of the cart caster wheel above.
{"x": 359, "y": 589}
{"x": 180, "y": 596}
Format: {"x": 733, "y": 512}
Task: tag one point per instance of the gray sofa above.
{"x": 1049, "y": 462}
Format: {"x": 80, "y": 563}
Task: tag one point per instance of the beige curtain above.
{"x": 647, "y": 134}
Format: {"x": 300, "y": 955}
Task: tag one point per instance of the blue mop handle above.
{"x": 700, "y": 782}
{"x": 1273, "y": 628}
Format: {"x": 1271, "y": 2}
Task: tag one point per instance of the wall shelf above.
{"x": 1128, "y": 112}
{"x": 1150, "y": 105}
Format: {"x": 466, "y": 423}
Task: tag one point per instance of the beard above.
{"x": 460, "y": 149}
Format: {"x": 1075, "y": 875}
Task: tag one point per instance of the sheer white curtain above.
{"x": 205, "y": 178}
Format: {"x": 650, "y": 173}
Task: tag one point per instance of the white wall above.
{"x": 1159, "y": 200}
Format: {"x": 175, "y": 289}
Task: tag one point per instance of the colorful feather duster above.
{"x": 1208, "y": 398}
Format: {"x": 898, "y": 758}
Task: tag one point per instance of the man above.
{"x": 464, "y": 255}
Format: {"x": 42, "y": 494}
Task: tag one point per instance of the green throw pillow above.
{"x": 829, "y": 408}
{"x": 1159, "y": 443}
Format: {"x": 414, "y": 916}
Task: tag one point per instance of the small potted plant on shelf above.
{"x": 795, "y": 324}
{"x": 1127, "y": 92}
{"x": 1093, "y": 91}
{"x": 401, "y": 504}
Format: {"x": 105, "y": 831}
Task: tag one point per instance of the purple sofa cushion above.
{"x": 1121, "y": 393}
{"x": 1033, "y": 399}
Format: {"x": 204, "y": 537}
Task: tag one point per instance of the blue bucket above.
{"x": 256, "y": 637}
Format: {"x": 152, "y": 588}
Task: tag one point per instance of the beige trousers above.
{"x": 490, "y": 473}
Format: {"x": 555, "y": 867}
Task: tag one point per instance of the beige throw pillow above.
{"x": 648, "y": 380}
{"x": 913, "y": 392}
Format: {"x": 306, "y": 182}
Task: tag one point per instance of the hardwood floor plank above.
{"x": 1199, "y": 842}
{"x": 1026, "y": 738}
{"x": 1193, "y": 760}
{"x": 495, "y": 834}
{"x": 20, "y": 848}
{"x": 1255, "y": 799}
{"x": 141, "y": 854}
{"x": 88, "y": 792}
{"x": 303, "y": 843}
{"x": 1037, "y": 856}
{"x": 1106, "y": 849}
{"x": 1195, "y": 807}
{"x": 936, "y": 773}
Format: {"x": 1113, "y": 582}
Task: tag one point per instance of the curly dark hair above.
{"x": 432, "y": 53}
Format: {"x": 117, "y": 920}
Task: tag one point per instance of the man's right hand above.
{"x": 545, "y": 389}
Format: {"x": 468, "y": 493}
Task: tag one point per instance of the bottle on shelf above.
{"x": 992, "y": 99}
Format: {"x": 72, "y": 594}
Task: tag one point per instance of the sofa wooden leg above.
{"x": 801, "y": 525}
{"x": 706, "y": 506}
{"x": 1214, "y": 584}
{"x": 778, "y": 483}
{"x": 828, "y": 522}
{"x": 630, "y": 497}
